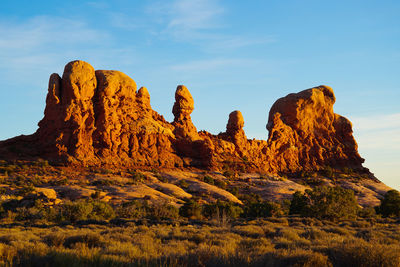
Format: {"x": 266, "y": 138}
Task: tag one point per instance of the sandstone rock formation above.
{"x": 305, "y": 133}
{"x": 98, "y": 117}
{"x": 183, "y": 107}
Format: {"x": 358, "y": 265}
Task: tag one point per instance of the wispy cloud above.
{"x": 378, "y": 122}
{"x": 40, "y": 45}
{"x": 189, "y": 15}
{"x": 378, "y": 132}
{"x": 200, "y": 22}
{"x": 38, "y": 41}
{"x": 45, "y": 31}
{"x": 185, "y": 16}
{"x": 378, "y": 139}
{"x": 209, "y": 64}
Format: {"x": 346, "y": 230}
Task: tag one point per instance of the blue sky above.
{"x": 230, "y": 54}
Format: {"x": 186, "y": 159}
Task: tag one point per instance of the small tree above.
{"x": 191, "y": 209}
{"x": 230, "y": 209}
{"x": 325, "y": 203}
{"x": 390, "y": 204}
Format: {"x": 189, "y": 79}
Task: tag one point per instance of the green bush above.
{"x": 328, "y": 172}
{"x": 330, "y": 203}
{"x": 220, "y": 208}
{"x": 163, "y": 211}
{"x": 191, "y": 209}
{"x": 366, "y": 212}
{"x": 220, "y": 183}
{"x": 208, "y": 179}
{"x": 132, "y": 210}
{"x": 262, "y": 209}
{"x": 229, "y": 173}
{"x": 390, "y": 204}
{"x": 138, "y": 209}
{"x": 82, "y": 210}
{"x": 183, "y": 184}
{"x": 234, "y": 191}
{"x": 137, "y": 177}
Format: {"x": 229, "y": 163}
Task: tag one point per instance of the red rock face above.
{"x": 66, "y": 130}
{"x": 305, "y": 133}
{"x": 98, "y": 117}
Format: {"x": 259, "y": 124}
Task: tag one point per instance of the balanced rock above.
{"x": 183, "y": 107}
{"x": 234, "y": 128}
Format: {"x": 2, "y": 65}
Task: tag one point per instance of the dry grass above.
{"x": 262, "y": 242}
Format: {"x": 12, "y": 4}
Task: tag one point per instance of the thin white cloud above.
{"x": 98, "y": 5}
{"x": 43, "y": 44}
{"x": 194, "y": 14}
{"x": 125, "y": 22}
{"x": 187, "y": 15}
{"x": 378, "y": 132}
{"x": 378, "y": 139}
{"x": 45, "y": 30}
{"x": 377, "y": 122}
{"x": 199, "y": 22}
{"x": 209, "y": 64}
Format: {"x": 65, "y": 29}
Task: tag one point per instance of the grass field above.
{"x": 286, "y": 241}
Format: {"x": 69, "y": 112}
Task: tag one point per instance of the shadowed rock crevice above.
{"x": 99, "y": 118}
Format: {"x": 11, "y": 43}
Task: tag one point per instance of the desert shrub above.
{"x": 101, "y": 210}
{"x": 41, "y": 163}
{"x": 250, "y": 198}
{"x": 338, "y": 230}
{"x": 103, "y": 182}
{"x": 299, "y": 258}
{"x": 390, "y": 204}
{"x": 347, "y": 170}
{"x": 60, "y": 181}
{"x": 328, "y": 172}
{"x": 162, "y": 211}
{"x": 88, "y": 209}
{"x": 253, "y": 231}
{"x": 137, "y": 177}
{"x": 208, "y": 179}
{"x": 330, "y": 203}
{"x": 220, "y": 208}
{"x": 229, "y": 173}
{"x": 191, "y": 209}
{"x": 55, "y": 239}
{"x": 287, "y": 233}
{"x": 138, "y": 209}
{"x": 234, "y": 191}
{"x": 183, "y": 184}
{"x": 159, "y": 176}
{"x": 363, "y": 253}
{"x": 366, "y": 212}
{"x": 25, "y": 190}
{"x": 90, "y": 239}
{"x": 220, "y": 183}
{"x": 132, "y": 210}
{"x": 31, "y": 214}
{"x": 262, "y": 209}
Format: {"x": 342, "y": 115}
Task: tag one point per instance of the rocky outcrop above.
{"x": 99, "y": 117}
{"x": 67, "y": 127}
{"x": 183, "y": 107}
{"x": 305, "y": 133}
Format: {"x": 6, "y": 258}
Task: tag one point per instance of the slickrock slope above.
{"x": 99, "y": 118}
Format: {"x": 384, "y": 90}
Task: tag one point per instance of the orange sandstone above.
{"x": 99, "y": 117}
